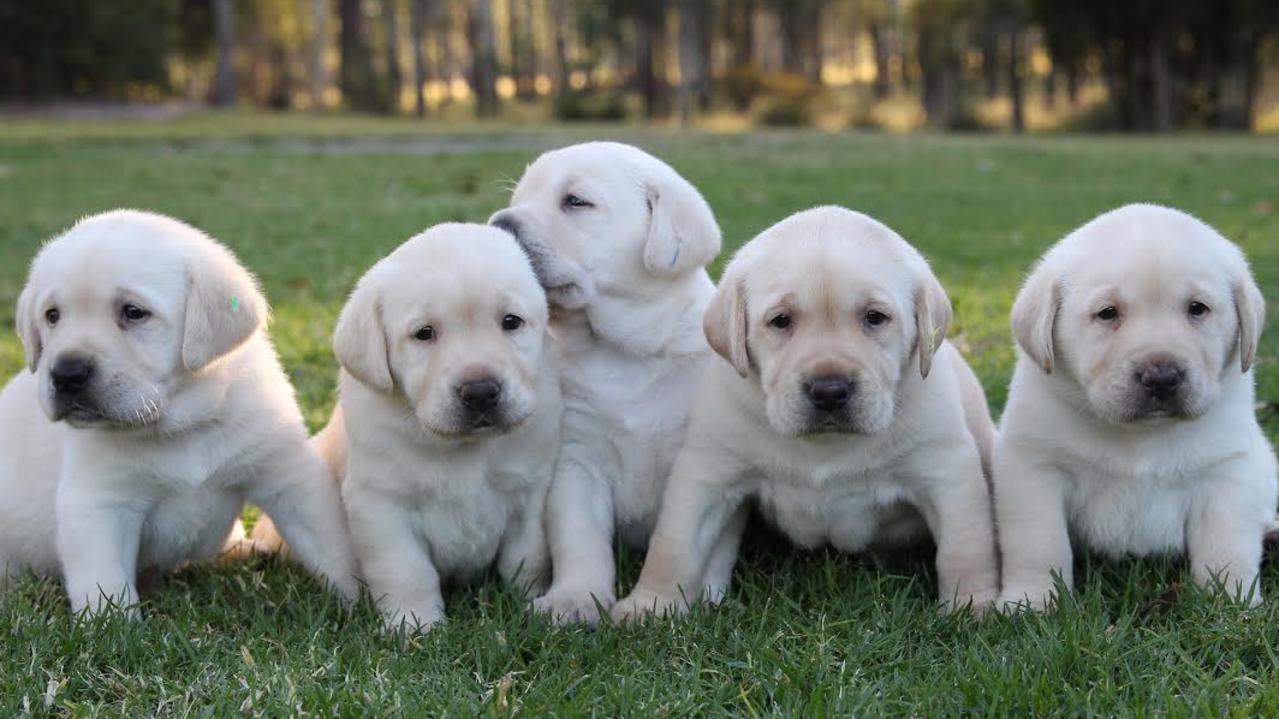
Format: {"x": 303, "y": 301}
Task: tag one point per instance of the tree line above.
{"x": 1164, "y": 64}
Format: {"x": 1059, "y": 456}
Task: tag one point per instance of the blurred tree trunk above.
{"x": 559, "y": 23}
{"x": 394, "y": 73}
{"x": 519, "y": 21}
{"x": 484, "y": 57}
{"x": 990, "y": 57}
{"x": 1161, "y": 84}
{"x": 319, "y": 68}
{"x": 1050, "y": 89}
{"x": 359, "y": 81}
{"x": 417, "y": 33}
{"x": 740, "y": 21}
{"x": 690, "y": 61}
{"x": 224, "y": 75}
{"x": 440, "y": 22}
{"x": 706, "y": 16}
{"x": 651, "y": 59}
{"x": 881, "y": 47}
{"x": 1015, "y": 89}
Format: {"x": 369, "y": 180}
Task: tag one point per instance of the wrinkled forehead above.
{"x": 101, "y": 269}
{"x": 833, "y": 277}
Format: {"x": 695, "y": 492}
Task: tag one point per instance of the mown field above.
{"x": 309, "y": 204}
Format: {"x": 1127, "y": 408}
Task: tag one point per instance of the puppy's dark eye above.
{"x": 780, "y": 322}
{"x": 510, "y": 323}
{"x": 133, "y": 313}
{"x": 575, "y": 201}
{"x": 875, "y": 318}
{"x": 1107, "y": 314}
{"x": 52, "y": 315}
{"x": 424, "y": 334}
{"x": 1198, "y": 309}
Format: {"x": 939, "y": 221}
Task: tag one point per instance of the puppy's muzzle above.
{"x": 829, "y": 393}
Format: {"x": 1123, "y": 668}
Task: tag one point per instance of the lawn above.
{"x": 310, "y": 203}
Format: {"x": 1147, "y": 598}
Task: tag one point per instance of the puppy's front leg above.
{"x": 1224, "y": 533}
{"x": 1030, "y": 512}
{"x": 958, "y": 510}
{"x": 719, "y": 568}
{"x": 394, "y": 559}
{"x": 98, "y": 534}
{"x": 695, "y": 518}
{"x": 579, "y": 523}
{"x": 524, "y": 559}
{"x": 297, "y": 490}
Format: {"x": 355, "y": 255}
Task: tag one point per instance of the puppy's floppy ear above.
{"x": 1035, "y": 314}
{"x": 1250, "y": 307}
{"x": 682, "y": 232}
{"x": 725, "y": 324}
{"x": 360, "y": 339}
{"x": 224, "y": 307}
{"x": 932, "y": 319}
{"x": 28, "y": 326}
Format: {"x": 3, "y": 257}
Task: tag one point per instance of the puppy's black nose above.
{"x": 828, "y": 393}
{"x": 504, "y": 222}
{"x": 480, "y": 395}
{"x": 71, "y": 374}
{"x": 1161, "y": 378}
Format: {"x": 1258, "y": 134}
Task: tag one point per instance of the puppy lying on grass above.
{"x": 838, "y": 407}
{"x": 1130, "y": 426}
{"x": 448, "y": 421}
{"x": 164, "y": 409}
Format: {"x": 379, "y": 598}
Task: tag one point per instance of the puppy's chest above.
{"x": 846, "y": 512}
{"x": 464, "y": 518}
{"x": 1125, "y": 512}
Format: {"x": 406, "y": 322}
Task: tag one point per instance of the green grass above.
{"x": 310, "y": 203}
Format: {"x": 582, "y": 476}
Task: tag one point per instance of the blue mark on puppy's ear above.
{"x": 235, "y": 304}
{"x": 675, "y": 257}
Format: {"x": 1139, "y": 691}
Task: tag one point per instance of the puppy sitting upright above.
{"x": 165, "y": 408}
{"x": 1130, "y": 424}
{"x": 451, "y": 414}
{"x": 839, "y": 408}
{"x": 620, "y": 242}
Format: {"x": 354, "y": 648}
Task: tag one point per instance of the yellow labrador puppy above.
{"x": 1130, "y": 425}
{"x": 838, "y": 408}
{"x": 164, "y": 409}
{"x": 450, "y": 413}
{"x": 620, "y": 242}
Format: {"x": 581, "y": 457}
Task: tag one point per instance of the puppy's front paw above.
{"x": 642, "y": 603}
{"x": 412, "y": 622}
{"x": 979, "y": 602}
{"x": 570, "y": 605}
{"x": 1015, "y": 601}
